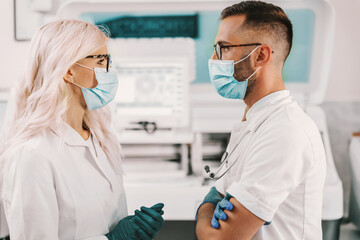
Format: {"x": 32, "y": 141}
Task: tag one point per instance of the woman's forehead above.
{"x": 100, "y": 51}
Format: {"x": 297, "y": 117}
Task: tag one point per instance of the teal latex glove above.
{"x": 212, "y": 197}
{"x": 128, "y": 228}
{"x": 152, "y": 217}
{"x": 144, "y": 225}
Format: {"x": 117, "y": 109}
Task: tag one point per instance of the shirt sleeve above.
{"x": 29, "y": 197}
{"x": 220, "y": 187}
{"x": 277, "y": 163}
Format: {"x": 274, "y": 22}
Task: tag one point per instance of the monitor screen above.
{"x": 150, "y": 88}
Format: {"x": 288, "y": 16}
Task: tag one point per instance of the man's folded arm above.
{"x": 241, "y": 224}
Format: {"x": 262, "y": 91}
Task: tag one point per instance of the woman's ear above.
{"x": 264, "y": 53}
{"x": 69, "y": 77}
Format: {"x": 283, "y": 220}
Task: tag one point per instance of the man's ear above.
{"x": 69, "y": 77}
{"x": 263, "y": 57}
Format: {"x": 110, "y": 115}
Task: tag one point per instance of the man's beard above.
{"x": 242, "y": 71}
{"x": 250, "y": 86}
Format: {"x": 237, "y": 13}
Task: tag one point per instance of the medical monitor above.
{"x": 152, "y": 90}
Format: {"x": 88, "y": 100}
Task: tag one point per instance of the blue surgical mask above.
{"x": 222, "y": 78}
{"x": 105, "y": 90}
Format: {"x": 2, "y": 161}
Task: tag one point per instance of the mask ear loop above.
{"x": 248, "y": 55}
{"x": 77, "y": 85}
{"x": 84, "y": 67}
{"x": 253, "y": 73}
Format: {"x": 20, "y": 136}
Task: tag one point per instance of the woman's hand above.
{"x": 152, "y": 220}
{"x": 144, "y": 225}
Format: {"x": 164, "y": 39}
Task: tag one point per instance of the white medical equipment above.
{"x": 354, "y": 209}
{"x": 4, "y": 96}
{"x": 154, "y": 78}
{"x": 306, "y": 74}
{"x": 152, "y": 92}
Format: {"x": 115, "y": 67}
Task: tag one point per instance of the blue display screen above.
{"x": 297, "y": 66}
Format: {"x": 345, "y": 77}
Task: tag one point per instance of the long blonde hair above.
{"x": 42, "y": 97}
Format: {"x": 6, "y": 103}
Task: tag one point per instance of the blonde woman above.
{"x": 60, "y": 163}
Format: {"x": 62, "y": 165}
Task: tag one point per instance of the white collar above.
{"x": 261, "y": 107}
{"x": 69, "y": 135}
{"x": 265, "y": 103}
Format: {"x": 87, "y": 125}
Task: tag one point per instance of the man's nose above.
{"x": 213, "y": 56}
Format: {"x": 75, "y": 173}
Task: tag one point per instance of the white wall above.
{"x": 344, "y": 84}
{"x": 13, "y": 53}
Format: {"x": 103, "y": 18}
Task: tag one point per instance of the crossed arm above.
{"x": 240, "y": 224}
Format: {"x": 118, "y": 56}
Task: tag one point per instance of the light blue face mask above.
{"x": 105, "y": 90}
{"x": 222, "y": 78}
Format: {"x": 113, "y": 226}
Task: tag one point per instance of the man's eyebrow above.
{"x": 222, "y": 42}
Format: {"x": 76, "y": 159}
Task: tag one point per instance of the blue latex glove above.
{"x": 212, "y": 197}
{"x": 219, "y": 213}
{"x": 144, "y": 225}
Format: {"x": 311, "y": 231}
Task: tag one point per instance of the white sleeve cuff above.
{"x": 219, "y": 185}
{"x": 252, "y": 204}
{"x": 102, "y": 237}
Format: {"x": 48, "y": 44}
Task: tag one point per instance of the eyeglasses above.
{"x": 218, "y": 48}
{"x": 108, "y": 59}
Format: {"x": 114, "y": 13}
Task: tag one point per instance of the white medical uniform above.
{"x": 280, "y": 173}
{"x": 60, "y": 186}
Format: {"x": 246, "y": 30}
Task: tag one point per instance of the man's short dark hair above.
{"x": 264, "y": 17}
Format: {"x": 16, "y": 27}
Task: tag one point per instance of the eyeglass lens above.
{"x": 108, "y": 63}
{"x": 217, "y": 49}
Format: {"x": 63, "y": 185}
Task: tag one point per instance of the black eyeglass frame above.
{"x": 107, "y": 56}
{"x": 219, "y": 54}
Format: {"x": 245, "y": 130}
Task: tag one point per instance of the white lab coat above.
{"x": 59, "y": 186}
{"x": 280, "y": 173}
